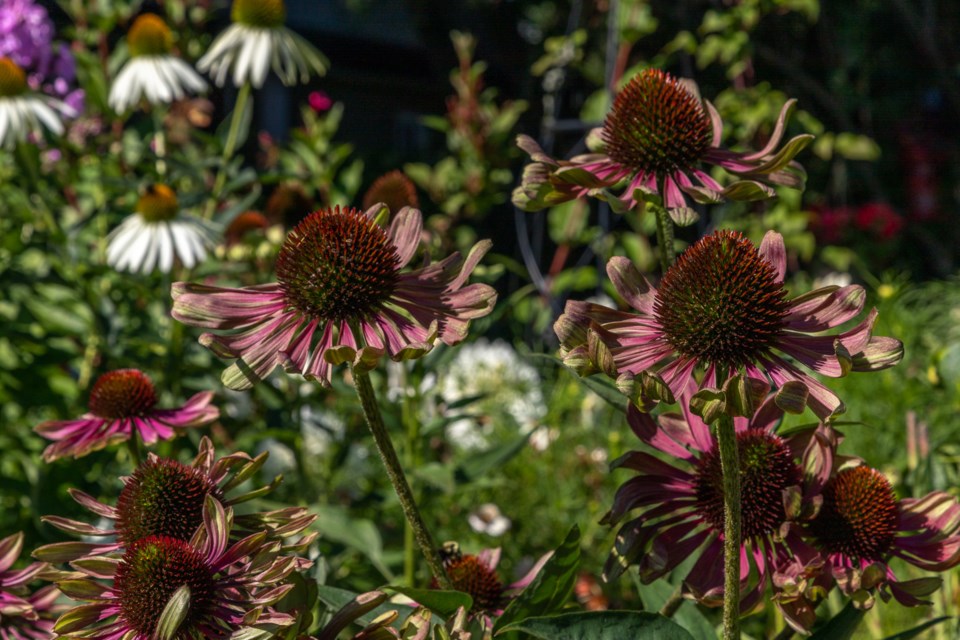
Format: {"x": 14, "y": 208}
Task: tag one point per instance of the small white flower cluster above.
{"x": 508, "y": 385}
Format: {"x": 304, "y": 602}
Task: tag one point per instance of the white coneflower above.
{"x": 257, "y": 39}
{"x": 156, "y": 234}
{"x": 152, "y": 73}
{"x": 23, "y": 112}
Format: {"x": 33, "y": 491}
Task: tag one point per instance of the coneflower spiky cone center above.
{"x": 337, "y": 265}
{"x": 721, "y": 301}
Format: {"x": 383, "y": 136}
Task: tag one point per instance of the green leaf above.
{"x": 602, "y": 625}
{"x": 551, "y": 589}
{"x": 842, "y": 626}
{"x": 916, "y": 631}
{"x": 443, "y": 603}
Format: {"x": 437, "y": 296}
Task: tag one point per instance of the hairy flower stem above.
{"x": 133, "y": 445}
{"x": 730, "y": 464}
{"x": 391, "y": 462}
{"x": 664, "y": 232}
{"x": 229, "y": 146}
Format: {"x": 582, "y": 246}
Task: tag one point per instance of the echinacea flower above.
{"x": 678, "y": 497}
{"x": 123, "y": 404}
{"x": 22, "y": 111}
{"x": 340, "y": 297}
{"x": 201, "y": 588}
{"x": 165, "y": 497}
{"x": 393, "y": 189}
{"x": 723, "y": 306}
{"x": 655, "y": 139}
{"x": 23, "y": 616}
{"x": 861, "y": 526}
{"x": 257, "y": 39}
{"x": 152, "y": 72}
{"x": 156, "y": 234}
{"x": 477, "y": 576}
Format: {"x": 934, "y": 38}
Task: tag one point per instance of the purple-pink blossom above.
{"x": 342, "y": 295}
{"x": 722, "y": 308}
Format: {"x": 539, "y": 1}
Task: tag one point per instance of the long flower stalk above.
{"x": 391, "y": 462}
{"x": 229, "y": 147}
{"x": 730, "y": 464}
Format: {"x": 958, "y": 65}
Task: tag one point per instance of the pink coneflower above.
{"x": 723, "y": 306}
{"x": 657, "y": 135}
{"x": 680, "y": 499}
{"x": 861, "y": 526}
{"x": 23, "y": 616}
{"x": 217, "y": 589}
{"x": 340, "y": 297}
{"x": 122, "y": 403}
{"x": 477, "y": 575}
{"x": 164, "y": 497}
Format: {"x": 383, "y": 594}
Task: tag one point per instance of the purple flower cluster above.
{"x": 26, "y": 37}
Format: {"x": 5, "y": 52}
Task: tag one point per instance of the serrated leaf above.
{"x": 602, "y": 625}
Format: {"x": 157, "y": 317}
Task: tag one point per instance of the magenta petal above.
{"x": 631, "y": 285}
{"x": 825, "y": 308}
{"x": 774, "y": 251}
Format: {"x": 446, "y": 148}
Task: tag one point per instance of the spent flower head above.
{"x": 341, "y": 296}
{"x": 723, "y": 307}
{"x": 654, "y": 143}
{"x": 123, "y": 404}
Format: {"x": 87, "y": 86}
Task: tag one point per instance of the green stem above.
{"x": 229, "y": 147}
{"x": 730, "y": 465}
{"x": 409, "y": 541}
{"x": 133, "y": 445}
{"x": 159, "y": 142}
{"x": 664, "y": 230}
{"x": 395, "y": 472}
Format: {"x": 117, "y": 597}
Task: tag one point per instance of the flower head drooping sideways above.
{"x": 477, "y": 576}
{"x": 341, "y": 296}
{"x": 23, "y": 615}
{"x": 861, "y": 526}
{"x": 204, "y": 587}
{"x": 156, "y": 234}
{"x": 655, "y": 140}
{"x": 257, "y": 40}
{"x": 677, "y": 499}
{"x": 723, "y": 307}
{"x": 164, "y": 497}
{"x": 152, "y": 72}
{"x": 22, "y": 111}
{"x": 123, "y": 404}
